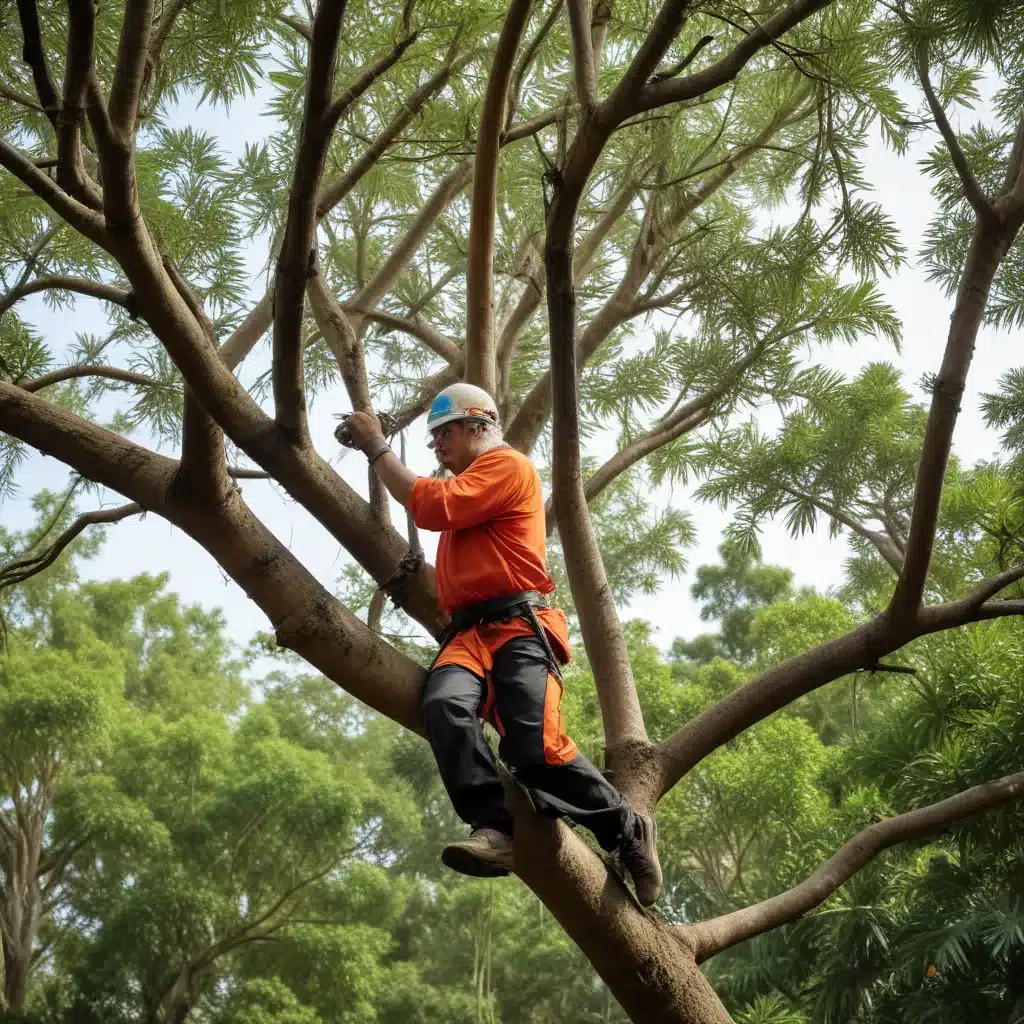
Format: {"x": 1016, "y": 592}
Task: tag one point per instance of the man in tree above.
{"x": 500, "y": 656}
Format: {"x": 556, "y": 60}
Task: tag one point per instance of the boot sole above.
{"x": 467, "y": 863}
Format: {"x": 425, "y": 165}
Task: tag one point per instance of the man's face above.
{"x": 452, "y": 444}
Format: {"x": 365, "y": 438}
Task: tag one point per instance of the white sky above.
{"x": 152, "y": 545}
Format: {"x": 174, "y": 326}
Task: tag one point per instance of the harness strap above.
{"x": 521, "y": 605}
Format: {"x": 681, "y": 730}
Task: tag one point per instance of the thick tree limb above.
{"x": 33, "y": 54}
{"x": 989, "y": 244}
{"x": 622, "y": 102}
{"x": 675, "y": 90}
{"x": 294, "y": 262}
{"x": 583, "y": 62}
{"x": 526, "y": 59}
{"x": 972, "y": 190}
{"x": 60, "y": 282}
{"x": 24, "y": 568}
{"x": 78, "y": 370}
{"x": 77, "y": 214}
{"x": 859, "y": 649}
{"x": 976, "y": 606}
{"x": 711, "y": 937}
{"x": 599, "y": 622}
{"x": 306, "y": 618}
{"x": 600, "y": 16}
{"x": 244, "y": 473}
{"x": 203, "y": 462}
{"x": 130, "y": 68}
{"x": 481, "y": 367}
{"x": 243, "y": 340}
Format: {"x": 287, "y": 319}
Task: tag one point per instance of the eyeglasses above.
{"x": 440, "y": 434}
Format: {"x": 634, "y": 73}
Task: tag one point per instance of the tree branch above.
{"x": 59, "y": 282}
{"x": 203, "y": 462}
{"x": 883, "y": 544}
{"x": 622, "y": 103}
{"x": 243, "y": 473}
{"x": 481, "y": 368}
{"x": 341, "y": 339}
{"x": 260, "y": 317}
{"x": 658, "y": 94}
{"x": 447, "y": 348}
{"x": 861, "y": 648}
{"x": 71, "y": 173}
{"x": 367, "y": 297}
{"x": 305, "y": 617}
{"x": 33, "y": 54}
{"x": 584, "y": 65}
{"x": 129, "y": 70}
{"x": 989, "y": 244}
{"x": 78, "y": 370}
{"x": 711, "y": 937}
{"x": 972, "y": 190}
{"x": 526, "y": 59}
{"x": 333, "y": 193}
{"x": 365, "y": 79}
{"x": 526, "y": 129}
{"x": 79, "y": 216}
{"x": 294, "y": 262}
{"x": 24, "y": 568}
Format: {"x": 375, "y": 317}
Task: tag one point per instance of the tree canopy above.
{"x": 682, "y": 190}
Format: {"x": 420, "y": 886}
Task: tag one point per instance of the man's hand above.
{"x": 364, "y": 428}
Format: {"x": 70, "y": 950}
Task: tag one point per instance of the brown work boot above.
{"x": 639, "y": 853}
{"x": 487, "y": 853}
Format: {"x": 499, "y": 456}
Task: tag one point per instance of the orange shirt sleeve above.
{"x": 492, "y": 484}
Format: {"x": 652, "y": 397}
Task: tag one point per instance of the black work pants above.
{"x": 452, "y": 698}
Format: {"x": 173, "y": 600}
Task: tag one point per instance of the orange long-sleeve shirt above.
{"x": 493, "y": 543}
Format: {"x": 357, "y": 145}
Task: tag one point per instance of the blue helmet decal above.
{"x": 441, "y": 406}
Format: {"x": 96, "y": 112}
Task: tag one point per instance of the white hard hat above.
{"x": 462, "y": 402}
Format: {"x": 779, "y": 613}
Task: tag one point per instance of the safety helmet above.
{"x": 461, "y": 402}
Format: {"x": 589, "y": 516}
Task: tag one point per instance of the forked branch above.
{"x": 676, "y": 90}
{"x": 25, "y": 568}
{"x": 711, "y": 937}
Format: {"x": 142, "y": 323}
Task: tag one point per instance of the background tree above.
{"x": 642, "y": 130}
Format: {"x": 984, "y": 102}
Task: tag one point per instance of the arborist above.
{"x": 501, "y": 656}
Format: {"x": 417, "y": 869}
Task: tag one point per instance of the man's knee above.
{"x": 522, "y": 749}
{"x": 450, "y": 693}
